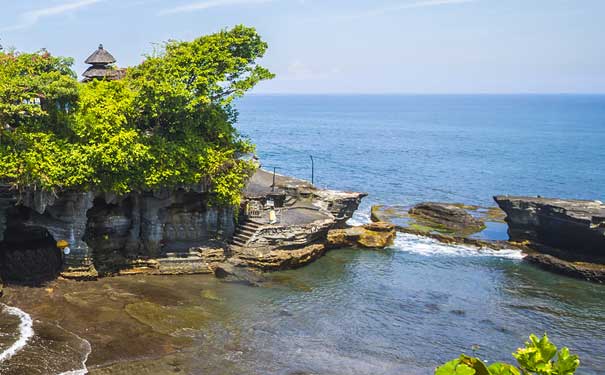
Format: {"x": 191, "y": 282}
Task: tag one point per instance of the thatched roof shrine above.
{"x": 102, "y": 68}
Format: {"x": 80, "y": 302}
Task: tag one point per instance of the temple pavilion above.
{"x": 102, "y": 66}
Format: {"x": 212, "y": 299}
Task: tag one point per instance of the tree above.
{"x": 168, "y": 123}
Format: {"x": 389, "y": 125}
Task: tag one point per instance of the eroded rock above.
{"x": 232, "y": 272}
{"x": 374, "y": 235}
{"x": 276, "y": 259}
{"x": 448, "y": 216}
{"x": 575, "y": 226}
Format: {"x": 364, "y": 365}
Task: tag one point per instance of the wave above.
{"x": 26, "y": 331}
{"x": 83, "y": 370}
{"x": 430, "y": 247}
{"x": 359, "y": 218}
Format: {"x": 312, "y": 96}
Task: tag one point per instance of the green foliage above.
{"x": 535, "y": 359}
{"x": 168, "y": 123}
{"x": 35, "y": 89}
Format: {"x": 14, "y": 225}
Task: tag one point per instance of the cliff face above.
{"x": 99, "y": 227}
{"x": 574, "y": 226}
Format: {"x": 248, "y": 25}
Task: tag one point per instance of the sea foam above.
{"x": 26, "y": 331}
{"x": 431, "y": 247}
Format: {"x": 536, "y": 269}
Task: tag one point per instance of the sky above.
{"x": 347, "y": 46}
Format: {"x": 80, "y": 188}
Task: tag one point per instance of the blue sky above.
{"x": 348, "y": 46}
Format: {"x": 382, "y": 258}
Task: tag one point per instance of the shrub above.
{"x": 536, "y": 358}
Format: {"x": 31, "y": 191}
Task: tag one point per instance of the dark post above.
{"x": 273, "y": 186}
{"x": 312, "y": 170}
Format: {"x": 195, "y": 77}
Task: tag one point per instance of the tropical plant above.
{"x": 169, "y": 123}
{"x": 536, "y": 358}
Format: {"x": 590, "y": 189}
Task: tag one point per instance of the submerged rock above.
{"x": 374, "y": 235}
{"x": 432, "y": 220}
{"x": 582, "y": 270}
{"x": 232, "y": 272}
{"x": 450, "y": 217}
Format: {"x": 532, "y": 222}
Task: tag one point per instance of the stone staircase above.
{"x": 186, "y": 262}
{"x": 244, "y": 231}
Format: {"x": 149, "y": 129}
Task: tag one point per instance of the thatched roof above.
{"x": 102, "y": 72}
{"x": 100, "y": 57}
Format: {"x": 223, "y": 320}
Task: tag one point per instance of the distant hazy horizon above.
{"x": 347, "y": 47}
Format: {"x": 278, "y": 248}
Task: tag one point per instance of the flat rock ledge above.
{"x": 278, "y": 259}
{"x": 432, "y": 220}
{"x": 370, "y": 236}
{"x": 580, "y": 270}
{"x": 449, "y": 216}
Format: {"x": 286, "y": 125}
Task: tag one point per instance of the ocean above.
{"x": 402, "y": 310}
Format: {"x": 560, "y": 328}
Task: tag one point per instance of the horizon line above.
{"x": 426, "y": 93}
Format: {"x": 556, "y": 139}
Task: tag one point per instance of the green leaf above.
{"x": 503, "y": 369}
{"x": 475, "y": 363}
{"x": 455, "y": 367}
{"x": 566, "y": 364}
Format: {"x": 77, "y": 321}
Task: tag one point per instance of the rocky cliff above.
{"x": 102, "y": 231}
{"x": 575, "y": 226}
{"x": 563, "y": 235}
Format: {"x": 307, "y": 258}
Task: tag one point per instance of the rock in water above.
{"x": 375, "y": 235}
{"x": 449, "y": 216}
{"x": 231, "y": 272}
{"x": 567, "y": 236}
{"x": 576, "y": 227}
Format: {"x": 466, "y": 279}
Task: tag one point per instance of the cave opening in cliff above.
{"x": 28, "y": 254}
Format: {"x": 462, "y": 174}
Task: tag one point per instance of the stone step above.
{"x": 248, "y": 232}
{"x": 248, "y": 228}
{"x": 251, "y": 224}
{"x": 238, "y": 242}
{"x": 240, "y": 239}
{"x": 169, "y": 260}
{"x": 191, "y": 265}
{"x": 183, "y": 254}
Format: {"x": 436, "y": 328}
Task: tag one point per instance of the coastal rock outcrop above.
{"x": 567, "y": 236}
{"x": 297, "y": 235}
{"x": 104, "y": 232}
{"x": 460, "y": 228}
{"x": 448, "y": 216}
{"x": 575, "y": 226}
{"x": 373, "y": 236}
{"x": 277, "y": 259}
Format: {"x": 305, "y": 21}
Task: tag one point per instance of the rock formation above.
{"x": 305, "y": 215}
{"x": 433, "y": 220}
{"x": 568, "y": 236}
{"x": 374, "y": 235}
{"x": 103, "y": 231}
{"x": 575, "y": 226}
{"x": 448, "y": 216}
{"x": 162, "y": 232}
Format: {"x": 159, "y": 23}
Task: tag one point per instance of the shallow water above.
{"x": 403, "y": 310}
{"x": 399, "y": 311}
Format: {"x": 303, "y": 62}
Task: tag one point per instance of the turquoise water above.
{"x": 403, "y": 310}
{"x": 407, "y": 309}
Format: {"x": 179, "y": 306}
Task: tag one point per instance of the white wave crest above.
{"x": 84, "y": 369}
{"x": 26, "y": 331}
{"x": 430, "y": 247}
{"x": 359, "y": 218}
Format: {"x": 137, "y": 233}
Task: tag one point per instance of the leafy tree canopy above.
{"x": 168, "y": 123}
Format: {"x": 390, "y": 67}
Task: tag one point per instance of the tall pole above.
{"x": 312, "y": 170}
{"x": 273, "y": 186}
